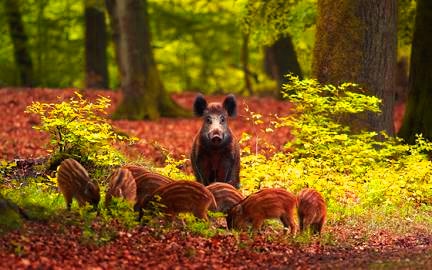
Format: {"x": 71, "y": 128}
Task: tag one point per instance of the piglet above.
{"x": 311, "y": 210}
{"x": 226, "y": 196}
{"x": 264, "y": 204}
{"x": 74, "y": 182}
{"x": 182, "y": 196}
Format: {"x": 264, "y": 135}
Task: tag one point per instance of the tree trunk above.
{"x": 144, "y": 96}
{"x": 95, "y": 45}
{"x": 245, "y": 63}
{"x": 356, "y": 41}
{"x": 418, "y": 115}
{"x": 281, "y": 59}
{"x": 19, "y": 40}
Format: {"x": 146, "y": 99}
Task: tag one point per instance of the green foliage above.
{"x": 350, "y": 169}
{"x": 78, "y": 129}
{"x": 122, "y": 211}
{"x": 55, "y": 39}
{"x": 38, "y": 200}
{"x": 406, "y": 17}
{"x": 173, "y": 169}
{"x": 198, "y": 44}
{"x": 153, "y": 211}
{"x": 269, "y": 20}
{"x": 99, "y": 228}
{"x": 198, "y": 226}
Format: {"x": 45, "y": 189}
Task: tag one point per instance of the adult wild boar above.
{"x": 215, "y": 152}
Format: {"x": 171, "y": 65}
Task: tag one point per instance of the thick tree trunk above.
{"x": 95, "y": 46}
{"x": 418, "y": 115}
{"x": 280, "y": 59}
{"x": 144, "y": 96}
{"x": 19, "y": 39}
{"x": 356, "y": 41}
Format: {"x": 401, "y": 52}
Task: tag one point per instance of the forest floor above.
{"x": 55, "y": 245}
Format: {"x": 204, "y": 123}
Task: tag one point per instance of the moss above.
{"x": 337, "y": 52}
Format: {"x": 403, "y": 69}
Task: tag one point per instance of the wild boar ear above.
{"x": 230, "y": 105}
{"x": 200, "y": 104}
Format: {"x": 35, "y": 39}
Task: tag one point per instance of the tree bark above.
{"x": 144, "y": 96}
{"x": 19, "y": 40}
{"x": 418, "y": 115}
{"x": 280, "y": 59}
{"x": 356, "y": 41}
{"x": 95, "y": 46}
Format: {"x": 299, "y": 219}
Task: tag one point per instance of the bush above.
{"x": 364, "y": 168}
{"x": 78, "y": 130}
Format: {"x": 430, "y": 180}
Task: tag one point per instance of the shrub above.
{"x": 78, "y": 129}
{"x": 364, "y": 168}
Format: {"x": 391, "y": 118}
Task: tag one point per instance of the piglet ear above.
{"x": 230, "y": 105}
{"x": 200, "y": 104}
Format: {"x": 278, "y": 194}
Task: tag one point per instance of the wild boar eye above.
{"x": 222, "y": 119}
{"x": 208, "y": 120}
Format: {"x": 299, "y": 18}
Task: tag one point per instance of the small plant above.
{"x": 95, "y": 230}
{"x": 198, "y": 226}
{"x": 154, "y": 210}
{"x": 173, "y": 168}
{"x": 78, "y": 130}
{"x": 121, "y": 211}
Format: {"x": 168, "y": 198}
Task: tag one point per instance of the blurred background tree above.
{"x": 96, "y": 64}
{"x": 418, "y": 116}
{"x": 144, "y": 96}
{"x": 18, "y": 37}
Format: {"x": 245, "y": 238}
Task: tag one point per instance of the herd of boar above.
{"x": 216, "y": 165}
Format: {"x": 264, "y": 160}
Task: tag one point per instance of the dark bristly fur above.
{"x": 311, "y": 210}
{"x": 73, "y": 181}
{"x": 184, "y": 196}
{"x": 121, "y": 184}
{"x": 265, "y": 204}
{"x": 215, "y": 152}
{"x": 147, "y": 184}
{"x": 226, "y": 196}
